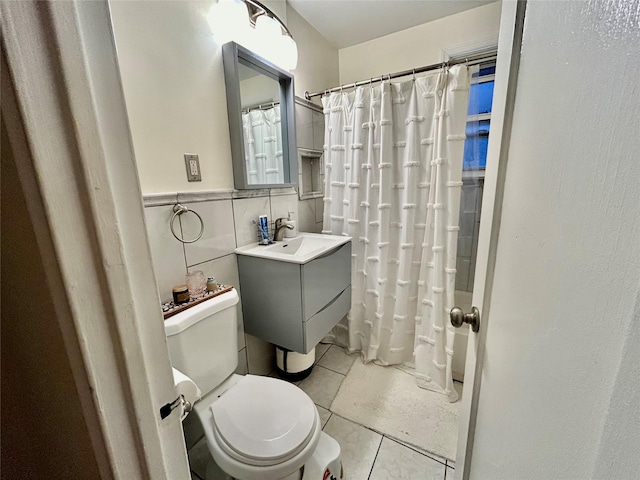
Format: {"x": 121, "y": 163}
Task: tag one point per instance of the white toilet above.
{"x": 257, "y": 428}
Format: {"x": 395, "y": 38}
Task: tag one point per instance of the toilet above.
{"x": 256, "y": 428}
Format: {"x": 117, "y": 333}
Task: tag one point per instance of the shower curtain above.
{"x": 263, "y": 145}
{"x": 393, "y": 159}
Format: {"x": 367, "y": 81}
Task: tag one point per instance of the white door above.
{"x": 67, "y": 125}
{"x": 557, "y": 280}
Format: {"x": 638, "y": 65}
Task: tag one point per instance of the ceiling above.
{"x": 349, "y": 22}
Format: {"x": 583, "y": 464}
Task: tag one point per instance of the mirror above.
{"x": 260, "y": 105}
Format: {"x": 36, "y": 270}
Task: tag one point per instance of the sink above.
{"x": 301, "y": 249}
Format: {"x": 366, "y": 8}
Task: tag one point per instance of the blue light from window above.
{"x": 475, "y": 146}
{"x": 480, "y": 98}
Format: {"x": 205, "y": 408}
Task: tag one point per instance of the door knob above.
{"x": 458, "y": 317}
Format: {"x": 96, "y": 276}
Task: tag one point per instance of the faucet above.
{"x": 278, "y": 234}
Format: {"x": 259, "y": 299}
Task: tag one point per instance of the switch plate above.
{"x": 192, "y": 163}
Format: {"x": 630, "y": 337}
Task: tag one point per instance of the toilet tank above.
{"x": 203, "y": 340}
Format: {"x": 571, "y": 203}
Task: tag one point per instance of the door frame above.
{"x": 64, "y": 109}
{"x": 507, "y": 66}
{"x": 67, "y": 122}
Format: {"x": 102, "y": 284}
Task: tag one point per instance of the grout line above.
{"x": 331, "y": 370}
{"x": 211, "y": 260}
{"x": 325, "y": 352}
{"x": 326, "y": 368}
{"x": 417, "y": 451}
{"x": 449, "y": 466}
{"x": 233, "y": 216}
{"x": 375, "y": 458}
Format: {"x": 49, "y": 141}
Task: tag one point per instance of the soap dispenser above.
{"x": 293, "y": 232}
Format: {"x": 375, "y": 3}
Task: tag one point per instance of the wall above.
{"x": 227, "y": 219}
{"x": 420, "y": 45}
{"x": 174, "y": 88}
{"x": 310, "y": 136}
{"x": 173, "y": 82}
{"x": 257, "y": 90}
{"x": 559, "y": 395}
{"x": 318, "y": 65}
{"x": 44, "y": 433}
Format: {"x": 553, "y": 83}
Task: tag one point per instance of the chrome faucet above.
{"x": 278, "y": 233}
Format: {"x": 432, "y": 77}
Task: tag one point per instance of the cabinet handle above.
{"x": 331, "y": 302}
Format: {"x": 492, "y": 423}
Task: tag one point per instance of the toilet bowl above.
{"x": 256, "y": 428}
{"x": 259, "y": 428}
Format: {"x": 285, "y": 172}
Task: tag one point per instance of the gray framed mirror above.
{"x": 260, "y": 106}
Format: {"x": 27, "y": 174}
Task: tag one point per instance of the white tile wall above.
{"x": 227, "y": 225}
{"x": 318, "y": 130}
{"x": 304, "y": 127}
{"x": 281, "y": 205}
{"x": 218, "y": 238}
{"x": 261, "y": 355}
{"x": 166, "y": 252}
{"x": 245, "y": 210}
{"x": 225, "y": 270}
{"x": 307, "y": 215}
{"x": 319, "y": 209}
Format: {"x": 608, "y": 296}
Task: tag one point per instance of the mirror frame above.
{"x": 232, "y": 53}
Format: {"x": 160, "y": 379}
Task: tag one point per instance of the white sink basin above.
{"x": 301, "y": 249}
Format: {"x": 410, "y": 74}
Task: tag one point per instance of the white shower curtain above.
{"x": 263, "y": 146}
{"x": 393, "y": 159}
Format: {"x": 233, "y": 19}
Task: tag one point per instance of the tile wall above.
{"x": 470, "y": 208}
{"x": 310, "y": 136}
{"x": 227, "y": 217}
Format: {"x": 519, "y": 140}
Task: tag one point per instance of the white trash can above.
{"x": 294, "y": 366}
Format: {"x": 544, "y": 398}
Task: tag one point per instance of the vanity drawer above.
{"x": 324, "y": 278}
{"x": 322, "y": 322}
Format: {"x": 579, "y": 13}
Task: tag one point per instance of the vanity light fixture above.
{"x": 257, "y": 28}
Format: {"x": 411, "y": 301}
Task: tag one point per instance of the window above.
{"x": 479, "y": 117}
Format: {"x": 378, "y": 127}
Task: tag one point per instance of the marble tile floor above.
{"x": 366, "y": 454}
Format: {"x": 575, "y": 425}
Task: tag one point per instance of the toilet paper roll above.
{"x": 187, "y": 388}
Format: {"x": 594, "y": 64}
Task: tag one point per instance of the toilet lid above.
{"x": 263, "y": 421}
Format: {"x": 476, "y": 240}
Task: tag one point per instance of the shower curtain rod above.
{"x": 260, "y": 106}
{"x": 470, "y": 60}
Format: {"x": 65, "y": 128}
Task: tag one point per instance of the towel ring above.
{"x": 179, "y": 209}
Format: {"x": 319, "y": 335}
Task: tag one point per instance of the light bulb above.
{"x": 268, "y": 35}
{"x": 228, "y": 20}
{"x": 289, "y": 50}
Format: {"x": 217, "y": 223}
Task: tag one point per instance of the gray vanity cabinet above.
{"x": 295, "y": 305}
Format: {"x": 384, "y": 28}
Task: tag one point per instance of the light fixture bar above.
{"x": 257, "y": 9}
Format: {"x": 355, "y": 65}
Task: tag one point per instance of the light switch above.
{"x": 193, "y": 167}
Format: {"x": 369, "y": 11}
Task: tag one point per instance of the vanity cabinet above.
{"x": 295, "y": 305}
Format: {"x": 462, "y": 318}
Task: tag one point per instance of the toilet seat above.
{"x": 262, "y": 421}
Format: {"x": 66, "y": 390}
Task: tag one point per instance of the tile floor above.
{"x": 366, "y": 454}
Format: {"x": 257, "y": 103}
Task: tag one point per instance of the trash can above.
{"x": 294, "y": 366}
